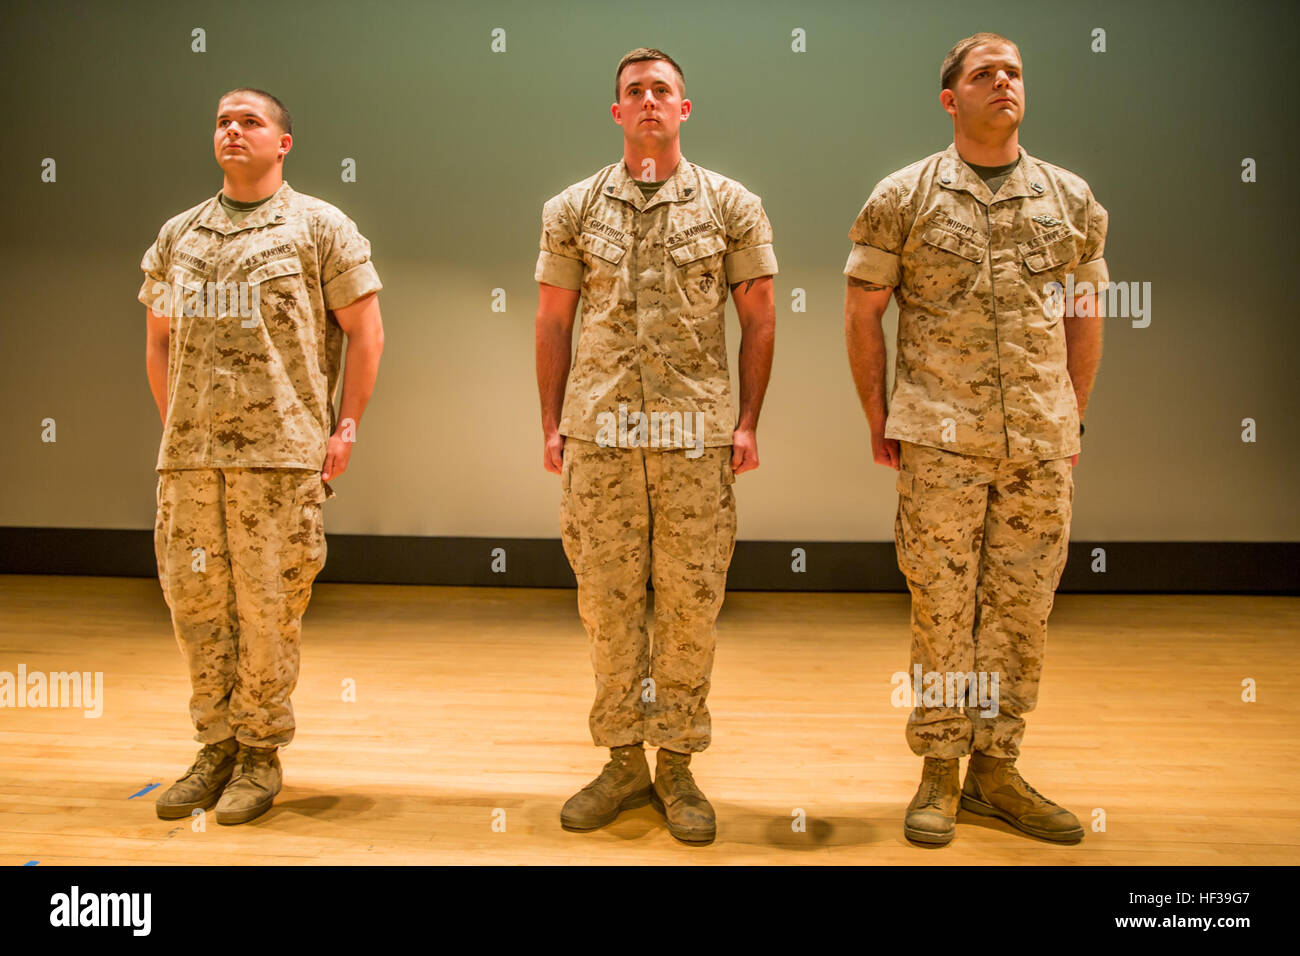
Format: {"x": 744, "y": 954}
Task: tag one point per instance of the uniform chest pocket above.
{"x": 188, "y": 280}
{"x": 1048, "y": 250}
{"x": 276, "y": 269}
{"x": 951, "y": 242}
{"x": 185, "y": 295}
{"x": 698, "y": 277}
{"x": 602, "y": 248}
{"x": 280, "y": 295}
{"x": 689, "y": 254}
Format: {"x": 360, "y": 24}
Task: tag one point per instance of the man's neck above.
{"x": 254, "y": 189}
{"x": 997, "y": 149}
{"x": 651, "y": 167}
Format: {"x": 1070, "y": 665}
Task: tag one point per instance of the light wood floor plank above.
{"x": 473, "y": 700}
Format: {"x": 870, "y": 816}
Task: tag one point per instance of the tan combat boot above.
{"x": 251, "y": 791}
{"x": 201, "y": 785}
{"x": 624, "y": 784}
{"x": 994, "y": 788}
{"x": 690, "y": 817}
{"x": 932, "y": 814}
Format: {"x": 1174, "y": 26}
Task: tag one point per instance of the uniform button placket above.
{"x": 640, "y": 253}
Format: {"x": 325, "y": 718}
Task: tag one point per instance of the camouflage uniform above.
{"x": 654, "y": 278}
{"x": 249, "y": 413}
{"x": 986, "y": 415}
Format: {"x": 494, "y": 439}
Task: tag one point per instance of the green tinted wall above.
{"x": 457, "y": 147}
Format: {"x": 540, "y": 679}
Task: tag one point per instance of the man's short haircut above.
{"x": 956, "y": 58}
{"x": 640, "y": 55}
{"x": 279, "y": 112}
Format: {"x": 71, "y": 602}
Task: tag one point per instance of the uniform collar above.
{"x": 1025, "y": 180}
{"x": 683, "y": 185}
{"x": 274, "y": 210}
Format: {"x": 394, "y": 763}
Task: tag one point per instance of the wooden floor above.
{"x": 470, "y": 702}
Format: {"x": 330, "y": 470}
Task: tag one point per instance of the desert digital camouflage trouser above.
{"x": 628, "y": 514}
{"x": 237, "y": 550}
{"x": 982, "y": 542}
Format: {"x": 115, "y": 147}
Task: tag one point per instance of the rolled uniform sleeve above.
{"x": 153, "y": 290}
{"x": 560, "y": 261}
{"x": 749, "y": 241}
{"x": 1092, "y": 267}
{"x": 877, "y": 236}
{"x": 346, "y": 272}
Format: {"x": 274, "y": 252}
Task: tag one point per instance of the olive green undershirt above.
{"x": 648, "y": 189}
{"x": 994, "y": 176}
{"x": 236, "y": 210}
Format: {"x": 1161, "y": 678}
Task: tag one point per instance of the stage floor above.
{"x": 469, "y": 730}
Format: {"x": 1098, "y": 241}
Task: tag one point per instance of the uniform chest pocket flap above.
{"x": 951, "y": 242}
{"x": 275, "y": 270}
{"x": 187, "y": 280}
{"x": 602, "y": 248}
{"x": 1049, "y": 250}
{"x": 701, "y": 248}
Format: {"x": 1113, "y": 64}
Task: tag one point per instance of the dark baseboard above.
{"x": 1225, "y": 567}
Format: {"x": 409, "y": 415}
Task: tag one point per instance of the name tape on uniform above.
{"x": 690, "y": 232}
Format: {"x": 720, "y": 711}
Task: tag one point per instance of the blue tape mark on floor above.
{"x": 32, "y": 863}
{"x": 141, "y": 793}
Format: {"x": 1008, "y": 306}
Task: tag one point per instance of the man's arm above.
{"x": 756, "y": 307}
{"x": 1083, "y": 328}
{"x": 157, "y": 334}
{"x": 864, "y": 307}
{"x": 555, "y": 312}
{"x": 1083, "y": 348}
{"x": 364, "y": 327}
{"x": 874, "y": 270}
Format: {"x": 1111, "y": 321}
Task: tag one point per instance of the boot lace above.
{"x": 209, "y": 758}
{"x": 1017, "y": 779}
{"x": 248, "y": 761}
{"x": 679, "y": 777}
{"x": 616, "y": 769}
{"x": 932, "y": 780}
{"x": 619, "y": 758}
